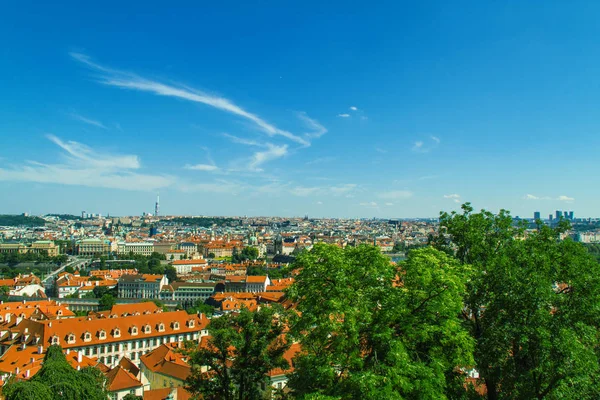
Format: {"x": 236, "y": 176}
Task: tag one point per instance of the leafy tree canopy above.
{"x": 58, "y": 380}
{"x": 242, "y": 348}
{"x": 532, "y": 305}
{"x": 371, "y": 331}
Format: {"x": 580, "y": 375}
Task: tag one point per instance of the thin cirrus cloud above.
{"x": 88, "y": 121}
{"x": 559, "y": 198}
{"x": 84, "y": 166}
{"x": 202, "y": 167}
{"x": 454, "y": 197}
{"x": 337, "y": 190}
{"x": 270, "y": 152}
{"x": 343, "y": 115}
{"x": 127, "y": 80}
{"x": 422, "y": 146}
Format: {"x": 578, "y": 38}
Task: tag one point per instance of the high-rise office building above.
{"x": 536, "y": 215}
{"x": 571, "y": 215}
{"x": 559, "y": 214}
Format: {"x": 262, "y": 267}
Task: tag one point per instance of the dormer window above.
{"x": 71, "y": 338}
{"x": 56, "y": 340}
{"x": 161, "y": 327}
{"x": 134, "y": 330}
{"x": 59, "y": 313}
{"x": 87, "y": 337}
{"x": 102, "y": 334}
{"x": 147, "y": 329}
{"x": 117, "y": 332}
{"x": 175, "y": 325}
{"x": 191, "y": 323}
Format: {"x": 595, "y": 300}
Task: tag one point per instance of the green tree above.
{"x": 201, "y": 307}
{"x": 241, "y": 350}
{"x": 211, "y": 255}
{"x": 4, "y": 291}
{"x": 106, "y": 302}
{"x": 130, "y": 396}
{"x": 531, "y": 305}
{"x": 171, "y": 273}
{"x": 58, "y": 380}
{"x": 369, "y": 331}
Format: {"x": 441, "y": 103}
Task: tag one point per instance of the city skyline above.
{"x": 344, "y": 112}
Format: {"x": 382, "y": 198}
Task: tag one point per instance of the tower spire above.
{"x": 157, "y": 205}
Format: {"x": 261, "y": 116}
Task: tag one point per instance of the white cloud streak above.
{"x": 202, "y": 167}
{"x": 86, "y": 167}
{"x": 343, "y": 115}
{"x": 354, "y": 108}
{"x": 126, "y": 80}
{"x": 88, "y": 121}
{"x": 559, "y": 198}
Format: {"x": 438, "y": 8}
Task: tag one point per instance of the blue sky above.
{"x": 341, "y": 109}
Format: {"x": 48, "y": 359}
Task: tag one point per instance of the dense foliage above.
{"x": 57, "y": 380}
{"x": 20, "y": 220}
{"x": 30, "y": 257}
{"x": 532, "y": 306}
{"x": 247, "y": 254}
{"x": 241, "y": 349}
{"x": 371, "y": 331}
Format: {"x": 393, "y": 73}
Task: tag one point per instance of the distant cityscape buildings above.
{"x": 558, "y": 215}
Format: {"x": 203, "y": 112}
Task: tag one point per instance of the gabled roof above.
{"x": 120, "y": 379}
{"x": 163, "y": 394}
{"x": 164, "y": 360}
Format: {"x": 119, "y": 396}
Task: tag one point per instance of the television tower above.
{"x": 157, "y": 205}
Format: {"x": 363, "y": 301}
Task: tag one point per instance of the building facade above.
{"x": 141, "y": 286}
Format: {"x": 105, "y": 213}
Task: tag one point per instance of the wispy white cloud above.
{"x": 271, "y": 153}
{"x": 84, "y": 166}
{"x": 454, "y": 197}
{"x": 80, "y": 153}
{"x": 559, "y": 198}
{"x": 317, "y": 130}
{"x": 380, "y": 150}
{"x": 565, "y": 198}
{"x": 335, "y": 190}
{"x": 88, "y": 121}
{"x": 421, "y": 146}
{"x": 396, "y": 194}
{"x": 127, "y": 80}
{"x": 353, "y": 108}
{"x": 239, "y": 140}
{"x": 202, "y": 167}
{"x": 418, "y": 146}
{"x": 343, "y": 115}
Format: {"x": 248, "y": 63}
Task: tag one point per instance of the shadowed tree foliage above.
{"x": 371, "y": 331}
{"x": 241, "y": 349}
{"x": 532, "y": 305}
{"x": 58, "y": 380}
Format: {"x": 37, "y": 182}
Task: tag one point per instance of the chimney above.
{"x": 79, "y": 368}
{"x": 27, "y": 374}
{"x": 17, "y": 371}
{"x": 32, "y": 360}
{"x": 68, "y": 351}
{"x": 79, "y": 358}
{"x": 40, "y": 349}
{"x": 50, "y": 324}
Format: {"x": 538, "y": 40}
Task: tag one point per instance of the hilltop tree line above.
{"x": 520, "y": 307}
{"x": 205, "y": 222}
{"x": 21, "y": 220}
